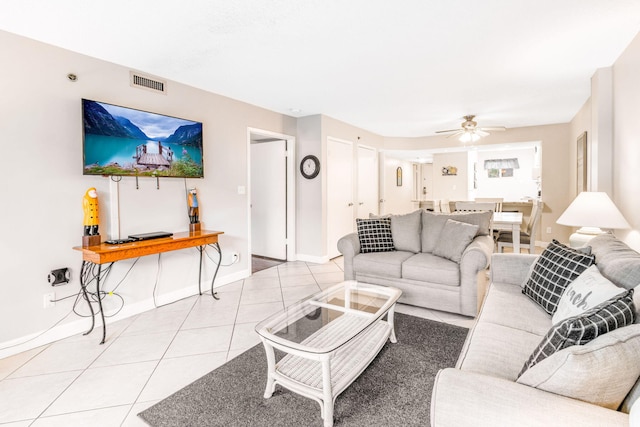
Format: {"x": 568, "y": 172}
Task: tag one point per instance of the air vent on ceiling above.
{"x": 148, "y": 83}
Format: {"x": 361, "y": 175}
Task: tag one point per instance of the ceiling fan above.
{"x": 469, "y": 130}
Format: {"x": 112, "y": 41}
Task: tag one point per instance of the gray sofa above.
{"x": 580, "y": 385}
{"x": 436, "y": 263}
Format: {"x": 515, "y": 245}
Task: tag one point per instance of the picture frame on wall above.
{"x": 581, "y": 163}
{"x": 399, "y": 177}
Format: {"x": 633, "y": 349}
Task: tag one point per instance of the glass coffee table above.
{"x": 328, "y": 340}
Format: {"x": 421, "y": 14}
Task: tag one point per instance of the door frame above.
{"x": 291, "y": 188}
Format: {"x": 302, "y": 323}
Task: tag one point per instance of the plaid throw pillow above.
{"x": 555, "y": 268}
{"x": 375, "y": 235}
{"x": 614, "y": 313}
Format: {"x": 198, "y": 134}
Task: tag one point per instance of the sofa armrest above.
{"x": 349, "y": 246}
{"x": 475, "y": 258}
{"x": 479, "y": 252}
{"x": 511, "y": 268}
{"x": 462, "y": 398}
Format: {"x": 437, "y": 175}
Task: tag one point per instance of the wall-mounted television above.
{"x": 125, "y": 141}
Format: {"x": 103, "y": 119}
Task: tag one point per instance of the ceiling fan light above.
{"x": 467, "y": 137}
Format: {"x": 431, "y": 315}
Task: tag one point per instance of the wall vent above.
{"x": 148, "y": 83}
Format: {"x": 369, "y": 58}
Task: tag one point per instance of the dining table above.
{"x": 512, "y": 220}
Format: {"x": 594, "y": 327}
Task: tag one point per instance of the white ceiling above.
{"x": 404, "y": 68}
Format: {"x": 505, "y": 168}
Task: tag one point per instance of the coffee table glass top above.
{"x": 329, "y": 319}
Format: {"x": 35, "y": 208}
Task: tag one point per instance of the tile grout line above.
{"x": 161, "y": 357}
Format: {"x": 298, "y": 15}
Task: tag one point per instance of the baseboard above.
{"x": 81, "y": 325}
{"x": 313, "y": 259}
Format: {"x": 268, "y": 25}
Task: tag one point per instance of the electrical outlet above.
{"x": 235, "y": 257}
{"x": 48, "y": 300}
{"x": 548, "y": 230}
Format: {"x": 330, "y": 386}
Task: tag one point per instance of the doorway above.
{"x": 271, "y": 197}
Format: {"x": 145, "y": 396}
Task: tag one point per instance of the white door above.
{"x": 381, "y": 183}
{"x": 269, "y": 199}
{"x": 367, "y": 182}
{"x": 340, "y": 203}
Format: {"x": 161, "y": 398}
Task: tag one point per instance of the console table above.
{"x": 96, "y": 256}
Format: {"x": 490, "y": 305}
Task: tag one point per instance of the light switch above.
{"x": 242, "y": 189}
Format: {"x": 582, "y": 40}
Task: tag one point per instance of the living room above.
{"x": 42, "y": 132}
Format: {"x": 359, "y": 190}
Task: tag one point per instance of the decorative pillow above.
{"x": 601, "y": 372}
{"x": 375, "y": 235}
{"x": 587, "y": 291}
{"x": 454, "y": 238}
{"x": 614, "y": 313}
{"x": 405, "y": 230}
{"x": 433, "y": 224}
{"x": 555, "y": 268}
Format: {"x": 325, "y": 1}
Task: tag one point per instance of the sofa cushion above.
{"x": 601, "y": 372}
{"x": 616, "y": 261}
{"x": 431, "y": 268}
{"x": 505, "y": 305}
{"x": 555, "y": 268}
{"x": 384, "y": 264}
{"x": 588, "y": 290}
{"x": 375, "y": 235}
{"x": 496, "y": 350}
{"x": 454, "y": 238}
{"x": 433, "y": 223}
{"x": 405, "y": 230}
{"x": 614, "y": 313}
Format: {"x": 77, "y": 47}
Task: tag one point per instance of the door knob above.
{"x": 350, "y": 204}
{"x": 361, "y": 203}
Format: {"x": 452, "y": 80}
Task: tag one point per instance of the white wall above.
{"x": 626, "y": 146}
{"x": 452, "y": 187}
{"x": 514, "y": 188}
{"x": 44, "y": 185}
{"x": 398, "y": 198}
{"x": 618, "y": 110}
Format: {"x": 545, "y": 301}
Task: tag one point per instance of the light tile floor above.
{"x": 76, "y": 382}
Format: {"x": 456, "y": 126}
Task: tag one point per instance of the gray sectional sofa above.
{"x": 577, "y": 385}
{"x": 435, "y": 262}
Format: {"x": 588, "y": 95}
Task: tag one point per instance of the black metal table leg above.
{"x": 216, "y": 246}
{"x": 83, "y": 273}
{"x": 201, "y": 250}
{"x": 104, "y": 325}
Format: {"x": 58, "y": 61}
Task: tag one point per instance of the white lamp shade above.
{"x": 593, "y": 209}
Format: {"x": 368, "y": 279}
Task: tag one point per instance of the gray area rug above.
{"x": 395, "y": 390}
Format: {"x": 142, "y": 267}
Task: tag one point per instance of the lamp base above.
{"x": 583, "y": 235}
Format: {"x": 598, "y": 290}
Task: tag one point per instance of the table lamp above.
{"x": 592, "y": 211}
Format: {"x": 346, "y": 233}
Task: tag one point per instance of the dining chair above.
{"x": 496, "y": 200}
{"x": 475, "y": 206}
{"x": 445, "y": 206}
{"x": 527, "y": 237}
{"x": 436, "y": 205}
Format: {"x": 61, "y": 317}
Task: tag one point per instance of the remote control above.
{"x": 119, "y": 242}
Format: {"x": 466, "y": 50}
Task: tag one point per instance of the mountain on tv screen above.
{"x": 124, "y": 141}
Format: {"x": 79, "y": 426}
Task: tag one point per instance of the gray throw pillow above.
{"x": 600, "y": 372}
{"x": 375, "y": 235}
{"x": 454, "y": 239}
{"x": 433, "y": 223}
{"x": 614, "y": 313}
{"x": 405, "y": 230}
{"x": 554, "y": 269}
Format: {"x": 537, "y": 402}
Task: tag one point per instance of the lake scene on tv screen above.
{"x": 125, "y": 141}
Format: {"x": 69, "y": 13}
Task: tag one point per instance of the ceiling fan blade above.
{"x": 450, "y": 130}
{"x": 481, "y": 132}
{"x": 494, "y": 129}
{"x": 457, "y": 133}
